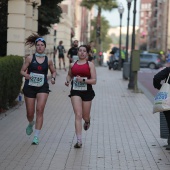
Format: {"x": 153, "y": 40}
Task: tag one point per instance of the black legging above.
{"x": 167, "y": 116}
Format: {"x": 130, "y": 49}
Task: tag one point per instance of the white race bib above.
{"x": 82, "y": 86}
{"x": 36, "y": 80}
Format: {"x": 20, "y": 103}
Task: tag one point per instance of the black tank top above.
{"x": 36, "y": 67}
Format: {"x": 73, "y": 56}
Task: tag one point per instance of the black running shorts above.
{"x": 85, "y": 95}
{"x": 61, "y": 56}
{"x": 31, "y": 92}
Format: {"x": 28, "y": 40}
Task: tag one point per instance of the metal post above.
{"x": 131, "y": 80}
{"x": 120, "y": 37}
{"x": 127, "y": 35}
{"x": 54, "y": 59}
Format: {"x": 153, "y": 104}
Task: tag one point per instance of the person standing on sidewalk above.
{"x": 162, "y": 75}
{"x": 61, "y": 51}
{"x": 36, "y": 87}
{"x": 82, "y": 75}
{"x": 72, "y": 52}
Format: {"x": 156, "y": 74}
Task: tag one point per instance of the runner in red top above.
{"x": 82, "y": 75}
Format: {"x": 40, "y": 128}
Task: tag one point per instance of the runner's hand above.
{"x": 67, "y": 83}
{"x": 27, "y": 76}
{"x": 52, "y": 81}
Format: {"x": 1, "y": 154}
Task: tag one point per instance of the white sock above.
{"x": 79, "y": 140}
{"x": 37, "y": 132}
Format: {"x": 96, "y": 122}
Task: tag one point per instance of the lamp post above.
{"x": 127, "y": 35}
{"x": 121, "y": 10}
{"x": 131, "y": 79}
{"x": 55, "y": 36}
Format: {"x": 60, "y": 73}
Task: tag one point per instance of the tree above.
{"x": 105, "y": 5}
{"x": 49, "y": 13}
{"x": 105, "y": 39}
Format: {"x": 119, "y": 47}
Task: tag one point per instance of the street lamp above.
{"x": 121, "y": 10}
{"x": 131, "y": 79}
{"x": 127, "y": 35}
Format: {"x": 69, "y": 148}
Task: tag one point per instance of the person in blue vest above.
{"x": 61, "y": 50}
{"x": 36, "y": 87}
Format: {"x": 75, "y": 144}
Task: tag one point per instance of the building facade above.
{"x": 159, "y": 24}
{"x": 23, "y": 21}
{"x": 145, "y": 16}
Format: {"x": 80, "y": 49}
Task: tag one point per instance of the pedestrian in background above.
{"x": 36, "y": 87}
{"x": 82, "y": 75}
{"x": 72, "y": 52}
{"x": 61, "y": 50}
{"x": 163, "y": 75}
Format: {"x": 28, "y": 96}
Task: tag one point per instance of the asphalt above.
{"x": 124, "y": 133}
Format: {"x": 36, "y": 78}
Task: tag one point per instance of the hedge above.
{"x": 10, "y": 79}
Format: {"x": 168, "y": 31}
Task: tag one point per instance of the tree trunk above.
{"x": 98, "y": 30}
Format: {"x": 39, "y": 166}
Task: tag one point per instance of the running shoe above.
{"x": 35, "y": 141}
{"x": 86, "y": 125}
{"x": 29, "y": 128}
{"x": 78, "y": 145}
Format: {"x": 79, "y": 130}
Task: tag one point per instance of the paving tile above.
{"x": 124, "y": 134}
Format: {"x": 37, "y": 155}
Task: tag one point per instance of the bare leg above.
{"x": 60, "y": 63}
{"x": 30, "y": 106}
{"x": 64, "y": 63}
{"x": 77, "y": 107}
{"x": 41, "y": 102}
{"x": 86, "y": 110}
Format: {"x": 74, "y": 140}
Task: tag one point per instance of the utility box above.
{"x": 136, "y": 60}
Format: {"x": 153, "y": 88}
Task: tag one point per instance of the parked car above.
{"x": 151, "y": 60}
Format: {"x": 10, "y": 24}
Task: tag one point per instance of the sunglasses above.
{"x": 40, "y": 39}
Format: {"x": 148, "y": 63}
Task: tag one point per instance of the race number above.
{"x": 82, "y": 86}
{"x": 36, "y": 80}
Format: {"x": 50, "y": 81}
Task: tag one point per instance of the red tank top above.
{"x": 81, "y": 70}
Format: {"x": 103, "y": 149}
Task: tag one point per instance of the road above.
{"x": 145, "y": 77}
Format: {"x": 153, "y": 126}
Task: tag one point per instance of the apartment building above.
{"x": 145, "y": 15}
{"x": 159, "y": 24}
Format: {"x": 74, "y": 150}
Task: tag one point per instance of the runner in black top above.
{"x": 36, "y": 88}
{"x": 73, "y": 51}
{"x": 61, "y": 51}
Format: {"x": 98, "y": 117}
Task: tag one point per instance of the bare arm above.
{"x": 25, "y": 66}
{"x": 69, "y": 76}
{"x": 52, "y": 70}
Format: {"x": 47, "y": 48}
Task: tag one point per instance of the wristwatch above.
{"x": 84, "y": 80}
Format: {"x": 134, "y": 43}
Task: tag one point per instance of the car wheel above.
{"x": 152, "y": 66}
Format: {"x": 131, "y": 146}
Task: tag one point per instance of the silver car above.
{"x": 151, "y": 60}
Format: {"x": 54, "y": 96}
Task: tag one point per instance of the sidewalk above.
{"x": 124, "y": 134}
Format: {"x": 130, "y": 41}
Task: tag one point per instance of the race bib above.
{"x": 36, "y": 80}
{"x": 82, "y": 86}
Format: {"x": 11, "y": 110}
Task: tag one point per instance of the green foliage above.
{"x": 10, "y": 79}
{"x": 49, "y": 13}
{"x": 104, "y": 4}
{"x": 105, "y": 39}
{"x": 115, "y": 39}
